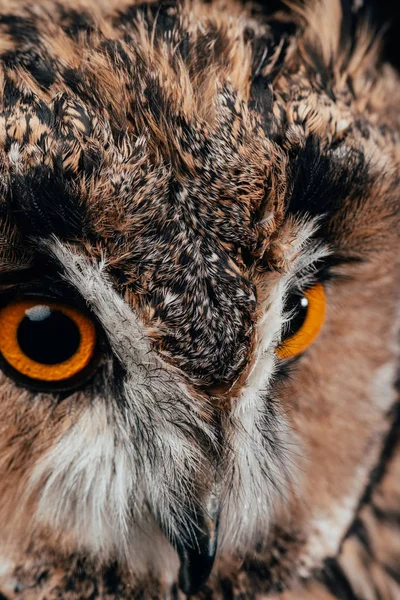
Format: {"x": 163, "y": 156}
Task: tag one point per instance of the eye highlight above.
{"x": 309, "y": 311}
{"x": 46, "y": 341}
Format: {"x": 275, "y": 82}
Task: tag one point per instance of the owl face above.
{"x": 199, "y": 284}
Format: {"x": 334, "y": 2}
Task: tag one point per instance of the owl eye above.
{"x": 308, "y": 311}
{"x": 45, "y": 342}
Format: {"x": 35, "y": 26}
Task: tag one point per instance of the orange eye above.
{"x": 46, "y": 341}
{"x": 308, "y": 317}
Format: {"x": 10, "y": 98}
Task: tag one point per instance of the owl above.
{"x": 199, "y": 302}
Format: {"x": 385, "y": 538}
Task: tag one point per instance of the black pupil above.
{"x": 297, "y": 306}
{"x": 48, "y": 336}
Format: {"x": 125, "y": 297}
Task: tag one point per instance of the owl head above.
{"x": 199, "y": 290}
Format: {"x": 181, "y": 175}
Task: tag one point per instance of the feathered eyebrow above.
{"x": 326, "y": 268}
{"x": 42, "y": 277}
{"x": 323, "y": 180}
{"x": 323, "y": 270}
{"x": 14, "y": 278}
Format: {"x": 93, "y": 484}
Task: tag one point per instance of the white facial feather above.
{"x": 260, "y": 461}
{"x": 149, "y": 436}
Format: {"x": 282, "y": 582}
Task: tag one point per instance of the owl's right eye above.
{"x": 309, "y": 311}
{"x": 45, "y": 344}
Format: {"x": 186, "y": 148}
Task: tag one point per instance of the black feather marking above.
{"x": 359, "y": 530}
{"x": 162, "y": 15}
{"x": 336, "y": 581}
{"x": 74, "y": 22}
{"x": 20, "y": 29}
{"x": 29, "y": 53}
{"x": 389, "y": 448}
{"x": 393, "y": 572}
{"x": 41, "y": 68}
{"x": 323, "y": 181}
{"x": 43, "y": 202}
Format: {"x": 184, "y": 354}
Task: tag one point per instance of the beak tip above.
{"x": 194, "y": 571}
{"x": 197, "y": 562}
{"x": 197, "y": 552}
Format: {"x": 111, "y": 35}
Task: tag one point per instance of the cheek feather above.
{"x": 154, "y": 426}
{"x": 260, "y": 459}
{"x": 85, "y": 483}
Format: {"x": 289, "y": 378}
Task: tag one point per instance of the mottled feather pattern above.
{"x": 179, "y": 169}
{"x": 366, "y": 566}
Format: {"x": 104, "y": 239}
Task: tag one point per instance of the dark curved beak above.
{"x": 197, "y": 559}
{"x": 197, "y": 553}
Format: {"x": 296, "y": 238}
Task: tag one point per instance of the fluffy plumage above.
{"x": 181, "y": 169}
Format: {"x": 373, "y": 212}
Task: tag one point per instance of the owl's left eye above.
{"x": 308, "y": 316}
{"x": 45, "y": 343}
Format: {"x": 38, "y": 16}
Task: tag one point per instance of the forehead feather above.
{"x": 176, "y": 140}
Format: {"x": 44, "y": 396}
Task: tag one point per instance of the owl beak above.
{"x": 197, "y": 559}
